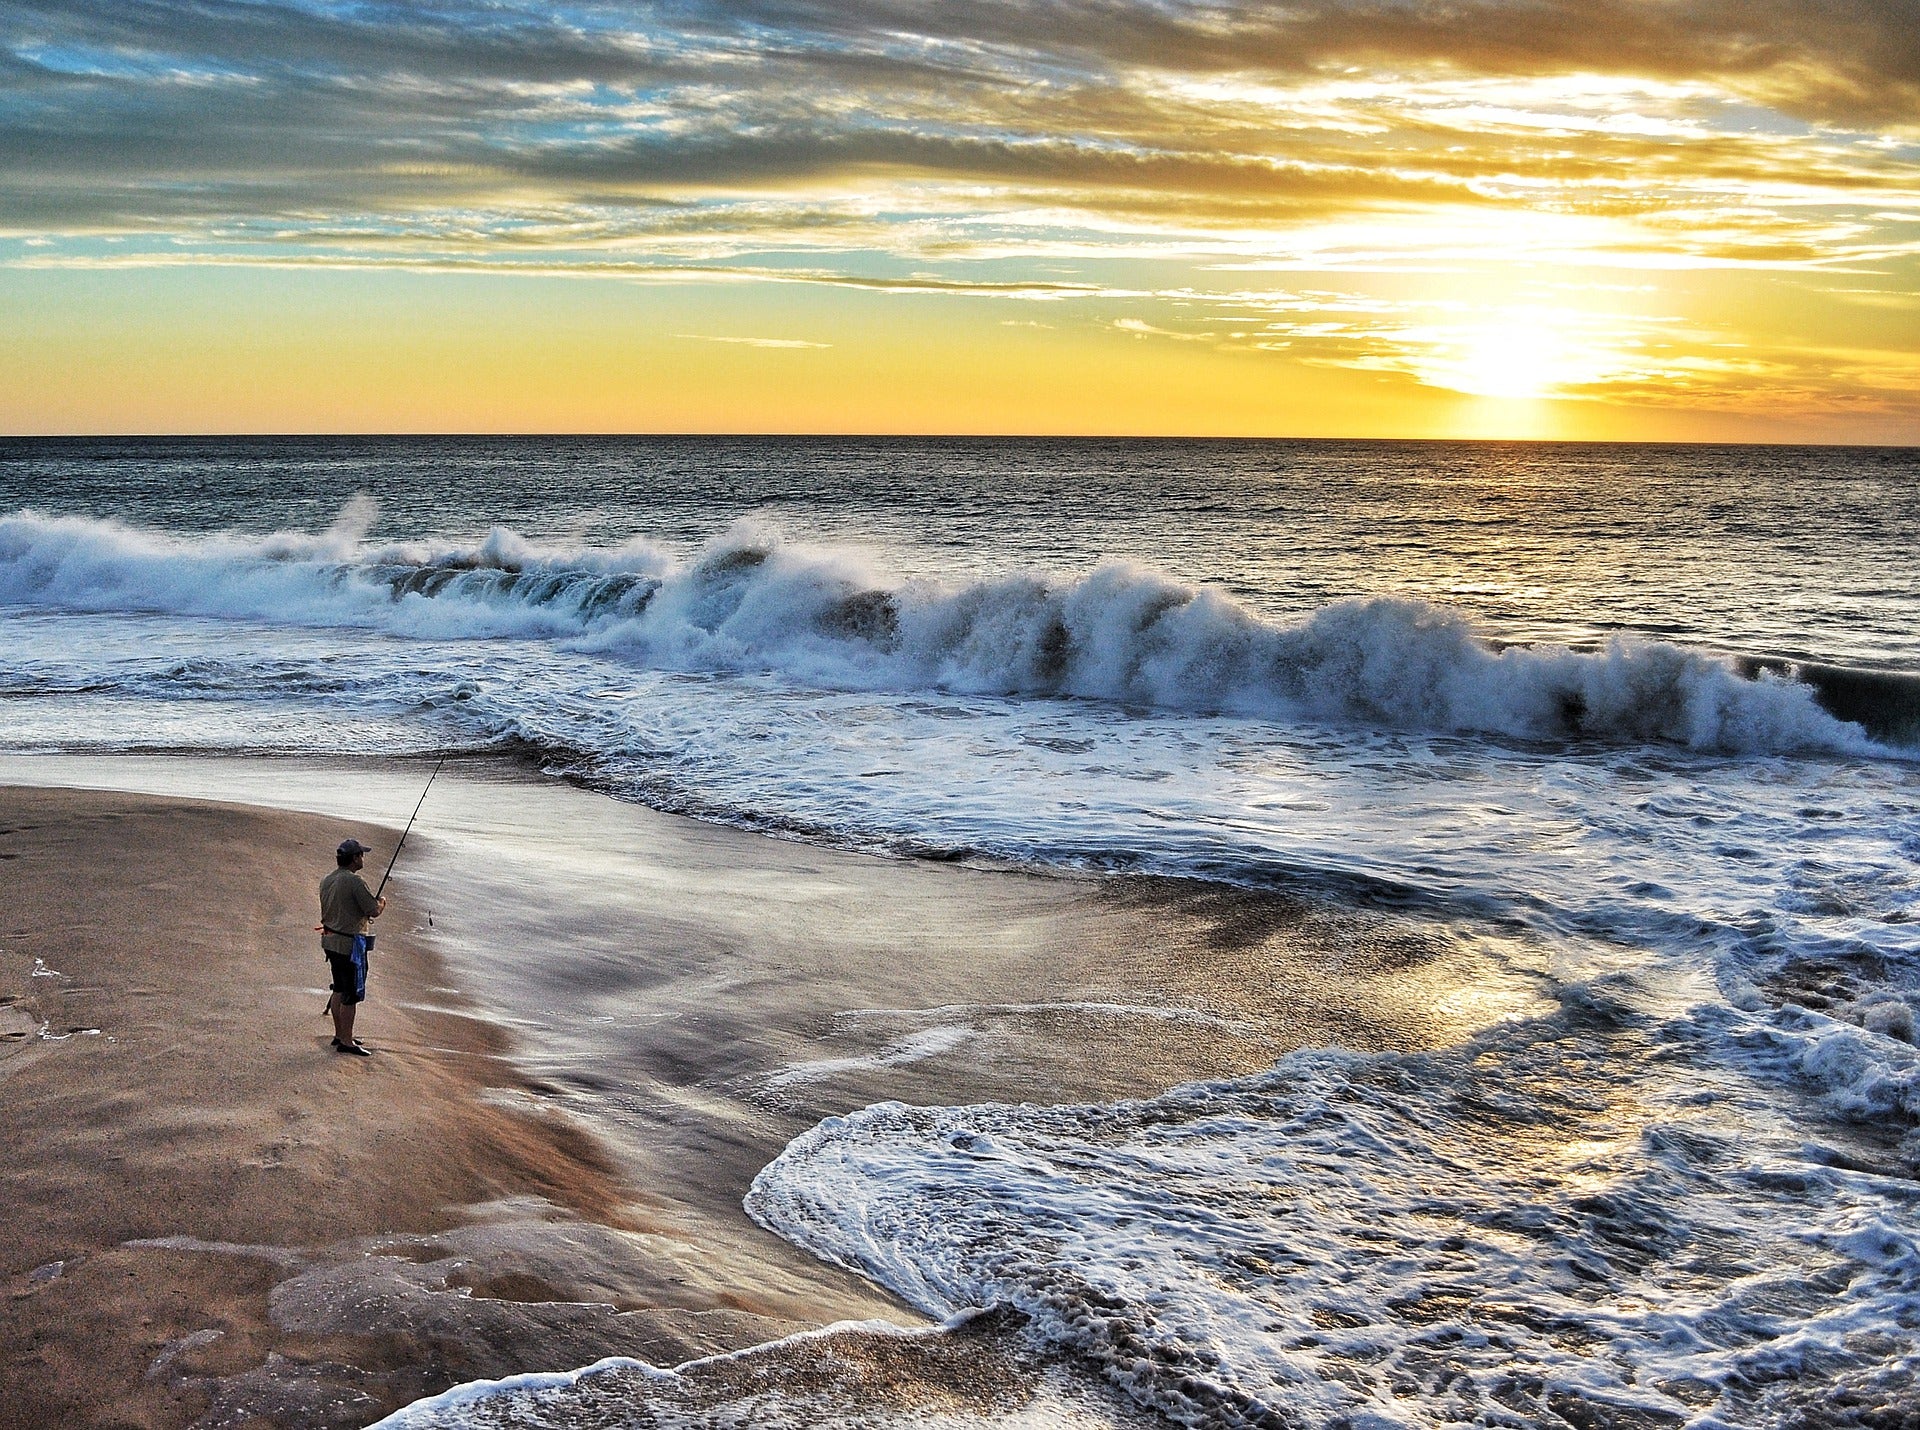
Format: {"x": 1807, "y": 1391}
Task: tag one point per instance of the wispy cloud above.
{"x": 753, "y": 342}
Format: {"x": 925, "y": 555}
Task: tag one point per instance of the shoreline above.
{"x": 220, "y": 1218}
{"x": 615, "y": 1019}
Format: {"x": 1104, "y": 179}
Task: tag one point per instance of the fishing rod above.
{"x": 408, "y": 830}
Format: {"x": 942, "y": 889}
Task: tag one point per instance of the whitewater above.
{"x": 1678, "y": 766}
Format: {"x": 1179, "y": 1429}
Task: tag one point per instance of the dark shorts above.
{"x": 349, "y": 977}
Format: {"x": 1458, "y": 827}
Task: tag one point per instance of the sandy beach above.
{"x": 217, "y": 1219}
{"x": 166, "y": 1074}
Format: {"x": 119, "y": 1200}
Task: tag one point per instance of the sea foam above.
{"x": 751, "y": 601}
{"x": 1561, "y": 1222}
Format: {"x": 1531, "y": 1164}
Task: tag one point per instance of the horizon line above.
{"x": 1142, "y": 437}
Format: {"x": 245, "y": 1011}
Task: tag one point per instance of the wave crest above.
{"x": 753, "y": 601}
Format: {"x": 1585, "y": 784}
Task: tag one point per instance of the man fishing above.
{"x": 347, "y": 906}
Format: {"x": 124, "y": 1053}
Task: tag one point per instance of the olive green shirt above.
{"x": 346, "y": 904}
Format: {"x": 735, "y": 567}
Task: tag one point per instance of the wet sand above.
{"x": 223, "y": 1219}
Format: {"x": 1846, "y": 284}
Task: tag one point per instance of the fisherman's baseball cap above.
{"x": 350, "y": 847}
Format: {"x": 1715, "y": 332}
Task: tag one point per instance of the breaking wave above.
{"x": 752, "y": 601}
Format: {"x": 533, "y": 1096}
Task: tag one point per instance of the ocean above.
{"x": 1650, "y": 713}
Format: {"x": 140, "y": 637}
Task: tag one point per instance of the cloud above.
{"x": 753, "y": 342}
{"x": 138, "y": 112}
{"x": 1141, "y": 328}
{"x": 1060, "y": 152}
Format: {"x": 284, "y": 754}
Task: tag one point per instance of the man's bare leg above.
{"x": 343, "y": 1020}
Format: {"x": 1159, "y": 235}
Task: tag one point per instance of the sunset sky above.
{"x": 1685, "y": 219}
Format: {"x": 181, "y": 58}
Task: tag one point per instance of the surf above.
{"x": 752, "y": 601}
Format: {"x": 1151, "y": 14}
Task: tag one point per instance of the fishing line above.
{"x": 409, "y": 829}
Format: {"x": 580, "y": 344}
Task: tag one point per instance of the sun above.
{"x": 1517, "y": 356}
{"x": 1510, "y": 361}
